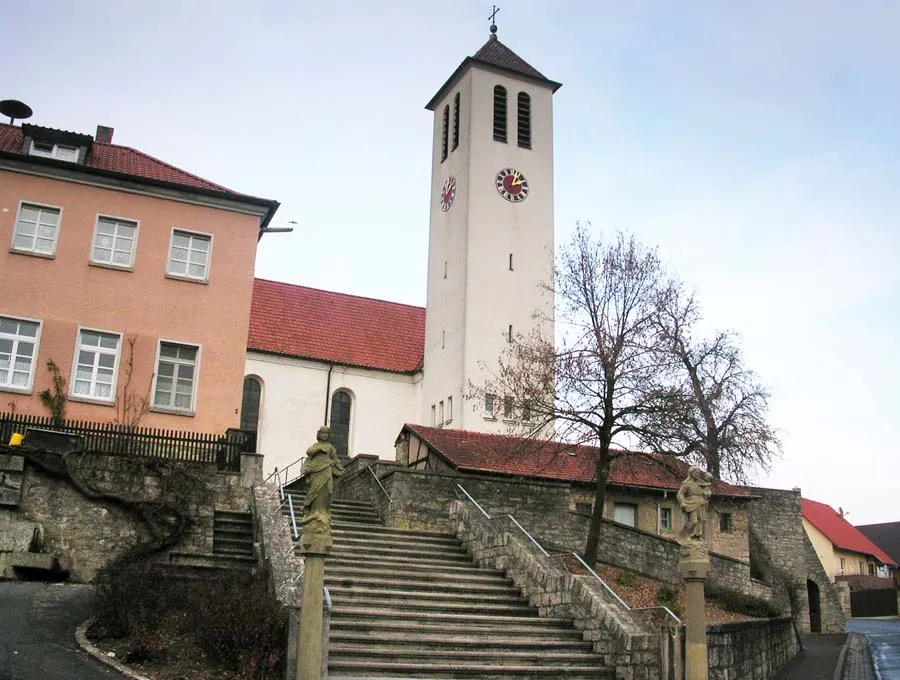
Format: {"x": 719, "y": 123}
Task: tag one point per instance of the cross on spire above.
{"x": 493, "y": 16}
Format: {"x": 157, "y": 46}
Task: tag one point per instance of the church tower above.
{"x": 491, "y": 232}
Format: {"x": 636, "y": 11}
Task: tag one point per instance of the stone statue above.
{"x": 693, "y": 497}
{"x": 319, "y": 470}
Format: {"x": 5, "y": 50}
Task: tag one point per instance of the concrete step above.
{"x": 408, "y": 542}
{"x": 401, "y": 562}
{"x": 397, "y": 537}
{"x": 354, "y": 592}
{"x": 462, "y": 638}
{"x": 413, "y": 652}
{"x": 462, "y": 574}
{"x": 212, "y": 560}
{"x": 377, "y": 551}
{"x": 359, "y": 670}
{"x": 406, "y": 605}
{"x": 382, "y": 530}
{"x": 467, "y": 618}
{"x": 339, "y": 516}
{"x": 402, "y": 586}
{"x": 531, "y": 629}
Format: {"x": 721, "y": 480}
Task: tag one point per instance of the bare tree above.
{"x": 592, "y": 388}
{"x": 710, "y": 408}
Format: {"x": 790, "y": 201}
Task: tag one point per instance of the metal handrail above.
{"x": 378, "y": 481}
{"x": 293, "y": 517}
{"x": 575, "y": 555}
{"x": 277, "y": 473}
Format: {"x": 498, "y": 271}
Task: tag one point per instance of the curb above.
{"x": 842, "y": 657}
{"x": 85, "y": 644}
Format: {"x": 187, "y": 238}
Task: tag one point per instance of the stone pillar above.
{"x": 309, "y": 654}
{"x": 693, "y": 566}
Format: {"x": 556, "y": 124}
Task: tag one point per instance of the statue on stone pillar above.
{"x": 693, "y": 497}
{"x": 320, "y": 468}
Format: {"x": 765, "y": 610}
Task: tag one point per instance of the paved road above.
{"x": 37, "y": 633}
{"x": 817, "y": 659}
{"x": 884, "y": 639}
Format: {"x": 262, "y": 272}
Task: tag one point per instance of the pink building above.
{"x": 132, "y": 276}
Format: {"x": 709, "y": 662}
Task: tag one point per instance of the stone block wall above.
{"x": 783, "y": 554}
{"x": 87, "y": 532}
{"x": 750, "y": 650}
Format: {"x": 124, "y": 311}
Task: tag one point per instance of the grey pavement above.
{"x": 37, "y": 633}
{"x": 817, "y": 660}
{"x": 883, "y": 636}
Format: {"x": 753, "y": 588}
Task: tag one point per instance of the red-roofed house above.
{"x": 134, "y": 277}
{"x": 640, "y": 494}
{"x": 842, "y": 548}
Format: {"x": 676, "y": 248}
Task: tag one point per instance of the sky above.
{"x": 757, "y": 146}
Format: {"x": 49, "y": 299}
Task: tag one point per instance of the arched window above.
{"x": 456, "y": 121}
{"x": 523, "y": 117}
{"x": 445, "y": 133}
{"x": 499, "y": 113}
{"x": 341, "y": 404}
{"x": 250, "y": 404}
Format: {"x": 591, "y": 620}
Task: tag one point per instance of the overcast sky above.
{"x": 758, "y": 148}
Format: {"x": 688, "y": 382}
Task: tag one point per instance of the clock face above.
{"x": 448, "y": 193}
{"x": 512, "y": 185}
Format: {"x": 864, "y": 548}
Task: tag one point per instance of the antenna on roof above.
{"x": 15, "y": 110}
{"x": 276, "y": 230}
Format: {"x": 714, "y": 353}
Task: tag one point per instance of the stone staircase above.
{"x": 232, "y": 547}
{"x": 412, "y": 604}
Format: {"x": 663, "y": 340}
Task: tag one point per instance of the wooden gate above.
{"x": 873, "y": 602}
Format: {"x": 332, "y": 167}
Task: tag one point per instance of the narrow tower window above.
{"x": 510, "y": 262}
{"x": 445, "y": 269}
{"x": 499, "y": 114}
{"x": 523, "y": 117}
{"x": 456, "y": 121}
{"x": 445, "y": 133}
{"x": 509, "y": 337}
{"x": 443, "y": 339}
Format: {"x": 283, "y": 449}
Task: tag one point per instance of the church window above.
{"x": 500, "y": 114}
{"x": 523, "y": 118}
{"x": 445, "y": 133}
{"x": 441, "y": 412}
{"x": 510, "y": 262}
{"x": 449, "y": 409}
{"x": 489, "y": 405}
{"x": 456, "y": 121}
{"x": 341, "y": 405}
{"x": 250, "y": 404}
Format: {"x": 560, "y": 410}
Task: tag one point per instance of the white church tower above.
{"x": 491, "y": 232}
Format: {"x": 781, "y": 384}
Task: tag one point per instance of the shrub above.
{"x": 667, "y": 596}
{"x": 626, "y": 579}
{"x": 741, "y": 603}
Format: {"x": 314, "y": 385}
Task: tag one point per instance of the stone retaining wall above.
{"x": 750, "y": 650}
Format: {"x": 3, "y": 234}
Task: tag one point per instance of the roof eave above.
{"x": 472, "y": 61}
{"x": 332, "y": 362}
{"x": 269, "y": 204}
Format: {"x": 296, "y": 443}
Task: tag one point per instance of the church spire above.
{"x": 493, "y": 17}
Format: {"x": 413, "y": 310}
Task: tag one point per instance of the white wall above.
{"x": 292, "y": 406}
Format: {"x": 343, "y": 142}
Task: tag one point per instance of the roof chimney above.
{"x": 104, "y": 134}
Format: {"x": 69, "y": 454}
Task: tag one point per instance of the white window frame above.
{"x": 15, "y": 230}
{"x": 54, "y": 153}
{"x": 174, "y": 409}
{"x": 449, "y": 410}
{"x": 490, "y": 413}
{"x": 186, "y": 276}
{"x": 664, "y": 509}
{"x": 624, "y": 504}
{"x": 74, "y": 396}
{"x": 117, "y": 219}
{"x": 25, "y": 389}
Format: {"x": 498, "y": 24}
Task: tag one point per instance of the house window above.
{"x": 499, "y": 113}
{"x": 509, "y": 407}
{"x": 625, "y": 513}
{"x": 456, "y": 121}
{"x": 19, "y": 341}
{"x": 341, "y": 404}
{"x": 842, "y": 565}
{"x": 449, "y": 409}
{"x": 584, "y": 508}
{"x": 250, "y": 404}
{"x": 725, "y": 523}
{"x": 189, "y": 255}
{"x": 444, "y": 133}
{"x": 523, "y": 118}
{"x": 114, "y": 241}
{"x": 96, "y": 364}
{"x": 433, "y": 415}
{"x": 37, "y": 229}
{"x": 441, "y": 411}
{"x": 57, "y": 151}
{"x": 526, "y": 412}
{"x": 665, "y": 519}
{"x": 176, "y": 377}
{"x": 489, "y": 405}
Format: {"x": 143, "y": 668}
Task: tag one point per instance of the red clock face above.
{"x": 512, "y": 185}
{"x": 448, "y": 193}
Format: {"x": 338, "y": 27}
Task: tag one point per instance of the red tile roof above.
{"x": 342, "y": 329}
{"x": 120, "y": 159}
{"x": 508, "y": 455}
{"x": 840, "y": 532}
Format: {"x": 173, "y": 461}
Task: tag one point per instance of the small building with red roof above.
{"x": 842, "y": 548}
{"x": 132, "y": 276}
